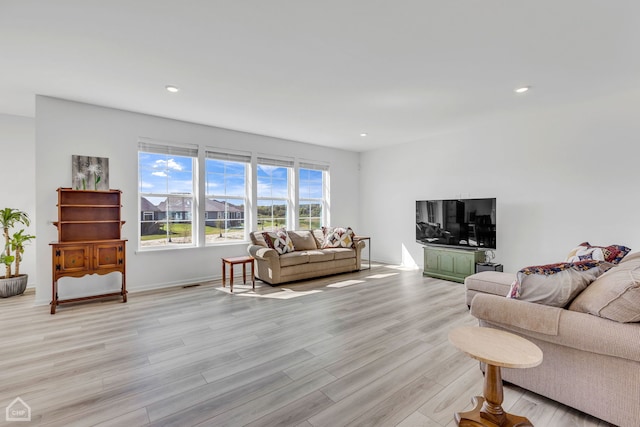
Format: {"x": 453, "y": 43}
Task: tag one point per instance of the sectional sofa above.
{"x": 591, "y": 347}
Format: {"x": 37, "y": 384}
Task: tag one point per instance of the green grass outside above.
{"x": 180, "y": 229}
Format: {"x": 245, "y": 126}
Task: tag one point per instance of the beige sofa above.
{"x": 591, "y": 363}
{"x": 307, "y": 261}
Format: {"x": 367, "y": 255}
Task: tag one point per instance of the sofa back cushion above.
{"x": 303, "y": 240}
{"x": 614, "y": 296}
{"x": 258, "y": 239}
{"x": 554, "y": 284}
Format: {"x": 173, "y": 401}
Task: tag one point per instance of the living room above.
{"x": 559, "y": 159}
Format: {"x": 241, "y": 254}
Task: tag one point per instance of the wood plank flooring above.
{"x": 362, "y": 349}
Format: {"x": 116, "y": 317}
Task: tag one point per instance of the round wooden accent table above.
{"x": 497, "y": 349}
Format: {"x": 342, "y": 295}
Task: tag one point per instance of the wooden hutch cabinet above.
{"x": 89, "y": 241}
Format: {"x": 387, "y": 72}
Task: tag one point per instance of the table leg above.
{"x": 488, "y": 409}
{"x": 231, "y": 279}
{"x": 224, "y": 273}
{"x": 493, "y": 396}
{"x": 244, "y": 273}
{"x": 253, "y": 276}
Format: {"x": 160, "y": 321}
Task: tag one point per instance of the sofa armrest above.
{"x": 262, "y": 253}
{"x": 559, "y": 326}
{"x": 538, "y": 318}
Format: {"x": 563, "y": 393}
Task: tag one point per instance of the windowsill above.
{"x": 182, "y": 248}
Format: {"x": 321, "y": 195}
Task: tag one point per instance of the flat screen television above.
{"x": 463, "y": 223}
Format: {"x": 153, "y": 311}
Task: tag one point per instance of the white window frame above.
{"x": 323, "y": 201}
{"x": 244, "y": 158}
{"x": 288, "y": 200}
{"x": 170, "y": 149}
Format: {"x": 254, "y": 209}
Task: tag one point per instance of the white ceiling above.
{"x": 320, "y": 72}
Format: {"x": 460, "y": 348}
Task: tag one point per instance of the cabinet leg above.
{"x": 124, "y": 288}
{"x": 54, "y": 296}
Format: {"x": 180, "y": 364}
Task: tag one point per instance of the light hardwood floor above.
{"x": 368, "y": 348}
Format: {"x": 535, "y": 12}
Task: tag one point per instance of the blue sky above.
{"x": 163, "y": 174}
{"x": 170, "y": 174}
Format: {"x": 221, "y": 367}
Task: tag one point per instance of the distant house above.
{"x": 179, "y": 208}
{"x": 148, "y": 211}
{"x": 215, "y": 213}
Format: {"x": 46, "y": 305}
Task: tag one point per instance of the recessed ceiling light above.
{"x": 522, "y": 89}
{"x": 172, "y": 89}
{"x": 363, "y": 134}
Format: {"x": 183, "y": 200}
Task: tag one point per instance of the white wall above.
{"x": 17, "y": 177}
{"x": 561, "y": 176}
{"x": 65, "y": 128}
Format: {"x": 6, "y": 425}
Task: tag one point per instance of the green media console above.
{"x": 451, "y": 264}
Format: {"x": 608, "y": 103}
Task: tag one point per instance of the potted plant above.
{"x": 13, "y": 284}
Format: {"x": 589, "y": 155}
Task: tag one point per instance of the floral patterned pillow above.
{"x": 279, "y": 240}
{"x": 337, "y": 237}
{"x": 584, "y": 251}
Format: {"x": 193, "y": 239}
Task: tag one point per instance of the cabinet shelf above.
{"x": 56, "y": 223}
{"x": 89, "y": 206}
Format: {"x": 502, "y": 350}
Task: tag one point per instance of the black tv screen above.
{"x": 467, "y": 223}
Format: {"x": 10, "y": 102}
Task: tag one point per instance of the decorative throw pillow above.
{"x": 554, "y": 284}
{"x": 584, "y": 251}
{"x": 279, "y": 240}
{"x": 337, "y": 237}
{"x": 614, "y": 296}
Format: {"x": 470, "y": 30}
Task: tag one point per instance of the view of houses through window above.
{"x": 166, "y": 195}
{"x": 167, "y": 183}
{"x": 273, "y": 193}
{"x": 311, "y": 196}
{"x": 225, "y": 197}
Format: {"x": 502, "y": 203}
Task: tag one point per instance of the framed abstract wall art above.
{"x": 90, "y": 173}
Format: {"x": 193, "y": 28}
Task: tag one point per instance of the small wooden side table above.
{"x": 368, "y": 239}
{"x": 244, "y": 260}
{"x": 497, "y": 349}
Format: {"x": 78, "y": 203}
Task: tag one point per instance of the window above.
{"x": 166, "y": 188}
{"x": 311, "y": 196}
{"x": 225, "y": 196}
{"x": 273, "y": 193}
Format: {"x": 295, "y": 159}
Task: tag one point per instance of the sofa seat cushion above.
{"x": 319, "y": 256}
{"x": 294, "y": 258}
{"x": 341, "y": 253}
